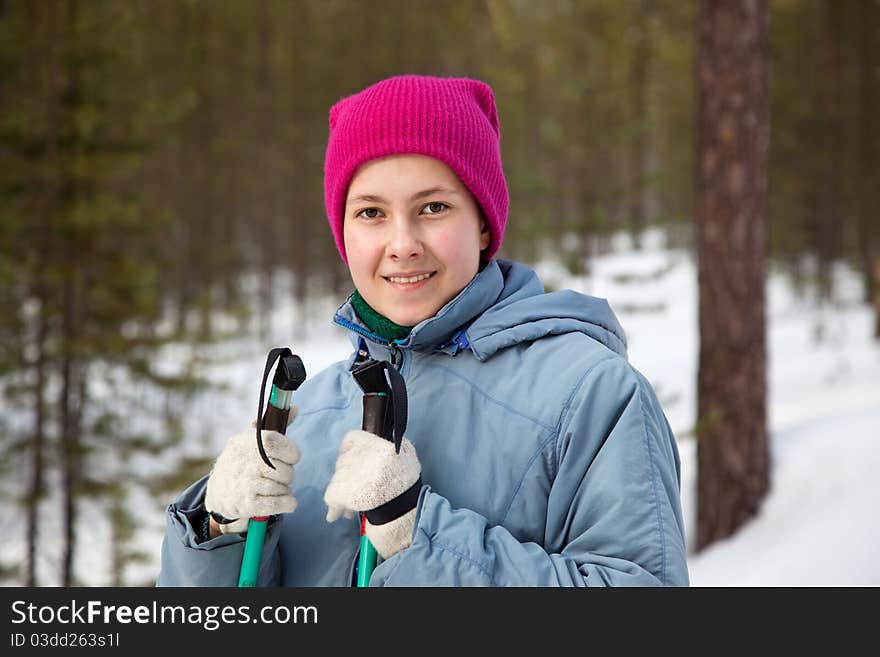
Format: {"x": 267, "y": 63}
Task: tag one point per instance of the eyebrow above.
{"x": 372, "y": 198}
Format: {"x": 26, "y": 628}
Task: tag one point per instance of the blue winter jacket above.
{"x": 546, "y": 458}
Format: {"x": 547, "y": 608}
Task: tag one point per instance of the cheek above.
{"x": 363, "y": 254}
{"x": 460, "y": 248}
{"x": 353, "y": 253}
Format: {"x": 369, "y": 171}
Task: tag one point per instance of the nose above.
{"x": 404, "y": 241}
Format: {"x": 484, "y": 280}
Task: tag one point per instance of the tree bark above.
{"x": 41, "y": 292}
{"x": 266, "y": 160}
{"x": 69, "y": 411}
{"x": 826, "y": 206}
{"x": 733, "y": 131}
{"x": 869, "y": 244}
{"x": 69, "y": 428}
{"x": 35, "y": 493}
{"x": 639, "y": 76}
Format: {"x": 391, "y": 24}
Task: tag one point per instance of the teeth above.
{"x": 411, "y": 279}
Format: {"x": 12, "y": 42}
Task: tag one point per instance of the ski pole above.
{"x": 289, "y": 375}
{"x": 384, "y": 414}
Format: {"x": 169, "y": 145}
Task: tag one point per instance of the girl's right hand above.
{"x": 242, "y": 486}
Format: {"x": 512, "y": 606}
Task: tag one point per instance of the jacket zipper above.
{"x": 357, "y": 329}
{"x": 397, "y": 354}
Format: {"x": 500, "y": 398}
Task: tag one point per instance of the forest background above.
{"x": 161, "y": 173}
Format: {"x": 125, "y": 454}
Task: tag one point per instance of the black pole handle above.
{"x": 385, "y": 400}
{"x": 289, "y": 375}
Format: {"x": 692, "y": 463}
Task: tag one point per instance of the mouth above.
{"x": 410, "y": 282}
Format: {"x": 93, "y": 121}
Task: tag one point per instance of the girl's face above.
{"x": 413, "y": 236}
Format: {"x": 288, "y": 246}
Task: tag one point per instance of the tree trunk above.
{"x": 827, "y": 204}
{"x": 733, "y": 131}
{"x": 639, "y": 76}
{"x": 270, "y": 228}
{"x": 69, "y": 99}
{"x": 875, "y": 274}
{"x": 35, "y": 494}
{"x": 869, "y": 236}
{"x": 69, "y": 423}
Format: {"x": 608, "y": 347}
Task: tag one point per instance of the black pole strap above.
{"x": 398, "y": 404}
{"x": 400, "y": 505}
{"x": 274, "y": 355}
{"x": 387, "y": 418}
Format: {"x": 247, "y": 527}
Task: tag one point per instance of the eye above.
{"x": 435, "y": 208}
{"x": 369, "y": 213}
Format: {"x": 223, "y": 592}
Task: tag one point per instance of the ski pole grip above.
{"x": 376, "y": 416}
{"x": 275, "y": 419}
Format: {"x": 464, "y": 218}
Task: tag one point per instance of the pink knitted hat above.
{"x": 453, "y": 120}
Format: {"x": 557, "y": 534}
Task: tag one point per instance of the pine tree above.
{"x": 82, "y": 299}
{"x": 732, "y": 449}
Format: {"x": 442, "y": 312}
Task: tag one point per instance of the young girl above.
{"x": 535, "y": 454}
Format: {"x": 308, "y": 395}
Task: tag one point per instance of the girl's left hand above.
{"x": 368, "y": 475}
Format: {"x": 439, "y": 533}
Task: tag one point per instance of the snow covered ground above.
{"x": 818, "y": 525}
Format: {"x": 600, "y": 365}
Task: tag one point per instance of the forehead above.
{"x": 402, "y": 173}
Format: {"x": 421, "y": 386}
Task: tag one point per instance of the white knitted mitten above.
{"x": 241, "y": 485}
{"x": 368, "y": 474}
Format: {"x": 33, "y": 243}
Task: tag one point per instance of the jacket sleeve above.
{"x": 217, "y": 562}
{"x": 613, "y": 510}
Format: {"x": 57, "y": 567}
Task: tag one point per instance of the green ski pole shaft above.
{"x": 368, "y": 557}
{"x": 288, "y": 377}
{"x": 276, "y": 420}
{"x": 253, "y": 551}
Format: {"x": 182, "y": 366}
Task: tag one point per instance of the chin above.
{"x": 412, "y": 318}
{"x": 408, "y": 320}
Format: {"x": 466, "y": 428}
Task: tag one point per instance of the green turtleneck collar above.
{"x": 377, "y": 323}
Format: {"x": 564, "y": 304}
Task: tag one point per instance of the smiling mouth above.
{"x": 409, "y": 280}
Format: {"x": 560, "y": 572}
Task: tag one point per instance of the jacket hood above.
{"x": 524, "y": 312}
{"x": 503, "y": 305}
